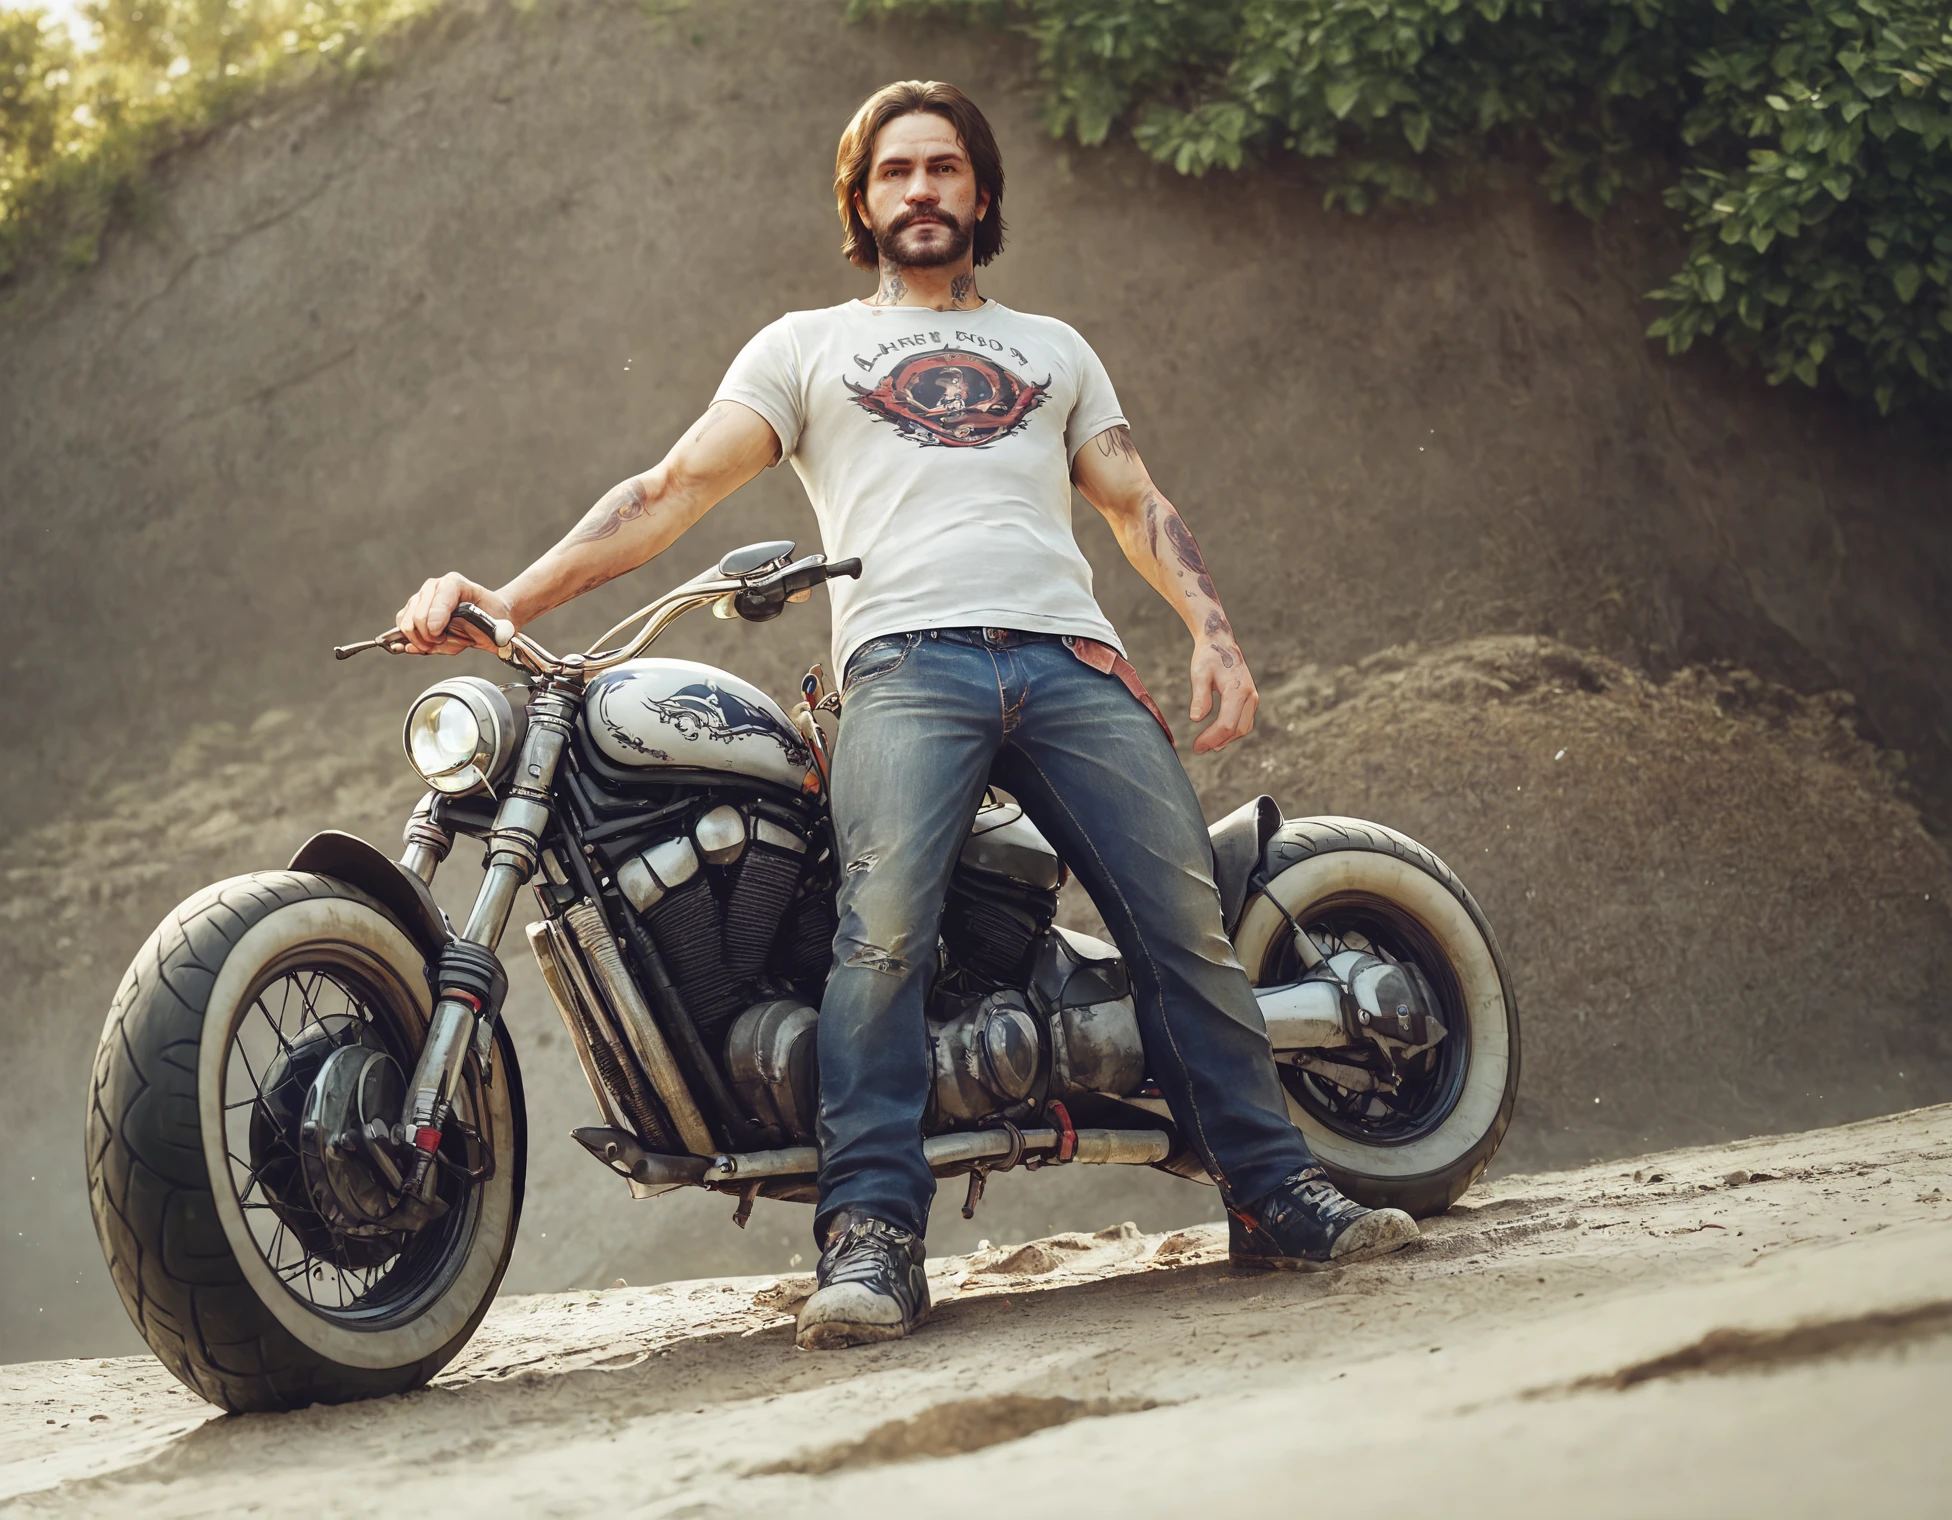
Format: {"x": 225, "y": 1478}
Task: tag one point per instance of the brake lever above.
{"x": 391, "y": 641}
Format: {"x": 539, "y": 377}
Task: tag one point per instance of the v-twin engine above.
{"x": 1002, "y": 1053}
{"x": 739, "y": 901}
{"x": 723, "y": 905}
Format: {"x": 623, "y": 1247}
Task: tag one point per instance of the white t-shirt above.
{"x": 937, "y": 446}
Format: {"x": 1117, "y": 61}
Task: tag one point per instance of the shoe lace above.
{"x": 1311, "y": 1190}
{"x": 865, "y": 1251}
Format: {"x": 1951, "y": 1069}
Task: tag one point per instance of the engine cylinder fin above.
{"x": 687, "y": 925}
{"x": 762, "y": 886}
{"x": 805, "y": 945}
{"x": 990, "y": 924}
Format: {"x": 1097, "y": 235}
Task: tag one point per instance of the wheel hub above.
{"x": 316, "y": 1100}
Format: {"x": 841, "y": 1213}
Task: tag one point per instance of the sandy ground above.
{"x": 1763, "y": 1328}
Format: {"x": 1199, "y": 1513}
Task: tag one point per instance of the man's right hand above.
{"x": 424, "y": 620}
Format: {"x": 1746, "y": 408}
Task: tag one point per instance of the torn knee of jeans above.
{"x": 863, "y": 863}
{"x": 874, "y": 958}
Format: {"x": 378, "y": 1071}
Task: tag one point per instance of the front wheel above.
{"x": 206, "y": 1186}
{"x": 1357, "y": 885}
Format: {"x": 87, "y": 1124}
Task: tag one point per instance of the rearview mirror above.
{"x": 753, "y": 558}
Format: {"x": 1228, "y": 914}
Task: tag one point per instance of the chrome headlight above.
{"x": 461, "y": 734}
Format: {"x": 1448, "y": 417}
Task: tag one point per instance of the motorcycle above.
{"x": 306, "y": 1136}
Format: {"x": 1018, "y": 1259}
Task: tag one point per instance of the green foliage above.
{"x": 1806, "y": 144}
{"x": 80, "y": 123}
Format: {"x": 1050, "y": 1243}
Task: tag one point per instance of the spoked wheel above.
{"x": 319, "y": 1015}
{"x": 263, "y": 1256}
{"x": 1359, "y": 886}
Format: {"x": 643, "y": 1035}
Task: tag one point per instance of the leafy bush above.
{"x": 1806, "y": 144}
{"x": 81, "y": 123}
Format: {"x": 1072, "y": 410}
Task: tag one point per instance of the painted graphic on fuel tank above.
{"x": 649, "y": 713}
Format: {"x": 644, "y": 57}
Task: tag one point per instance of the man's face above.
{"x": 921, "y": 200}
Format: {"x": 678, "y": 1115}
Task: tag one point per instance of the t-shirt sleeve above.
{"x": 1097, "y": 405}
{"x": 766, "y": 377}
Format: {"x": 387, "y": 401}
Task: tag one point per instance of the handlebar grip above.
{"x": 498, "y": 629}
{"x": 840, "y": 567}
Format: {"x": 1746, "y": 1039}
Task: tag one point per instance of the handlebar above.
{"x": 757, "y": 599}
{"x": 499, "y": 630}
{"x": 766, "y": 598}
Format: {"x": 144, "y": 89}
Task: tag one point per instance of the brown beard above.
{"x": 935, "y": 258}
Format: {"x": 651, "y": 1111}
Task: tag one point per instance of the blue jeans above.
{"x": 929, "y": 720}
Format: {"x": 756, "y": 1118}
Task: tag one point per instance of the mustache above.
{"x": 918, "y": 215}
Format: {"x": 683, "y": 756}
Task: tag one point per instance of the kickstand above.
{"x": 744, "y": 1211}
{"x": 977, "y": 1177}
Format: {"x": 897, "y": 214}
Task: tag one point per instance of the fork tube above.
{"x": 514, "y": 846}
{"x": 516, "y": 842}
{"x": 427, "y": 843}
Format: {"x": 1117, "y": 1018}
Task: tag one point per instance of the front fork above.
{"x": 469, "y": 978}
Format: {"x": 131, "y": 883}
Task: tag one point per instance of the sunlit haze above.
{"x": 67, "y": 11}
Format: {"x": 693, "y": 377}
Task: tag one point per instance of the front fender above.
{"x": 348, "y": 858}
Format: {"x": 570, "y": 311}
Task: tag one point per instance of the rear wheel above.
{"x": 226, "y": 1223}
{"x": 1358, "y": 885}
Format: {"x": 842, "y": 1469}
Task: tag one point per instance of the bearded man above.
{"x": 971, "y": 650}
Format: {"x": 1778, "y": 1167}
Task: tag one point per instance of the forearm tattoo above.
{"x": 1187, "y": 551}
{"x": 606, "y": 519}
{"x": 1218, "y": 631}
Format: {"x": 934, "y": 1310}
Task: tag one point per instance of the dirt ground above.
{"x": 1763, "y": 1328}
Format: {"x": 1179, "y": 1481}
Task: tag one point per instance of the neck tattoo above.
{"x": 893, "y": 289}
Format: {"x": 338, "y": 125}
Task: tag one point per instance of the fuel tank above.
{"x": 651, "y": 713}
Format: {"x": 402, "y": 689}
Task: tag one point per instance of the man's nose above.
{"x": 920, "y": 192}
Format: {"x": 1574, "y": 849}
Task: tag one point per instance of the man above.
{"x": 971, "y": 648}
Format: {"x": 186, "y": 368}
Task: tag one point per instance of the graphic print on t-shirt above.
{"x": 953, "y": 398}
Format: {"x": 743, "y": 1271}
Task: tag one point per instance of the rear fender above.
{"x": 348, "y": 858}
{"x": 1239, "y": 842}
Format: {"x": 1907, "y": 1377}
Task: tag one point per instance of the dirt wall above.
{"x": 371, "y": 333}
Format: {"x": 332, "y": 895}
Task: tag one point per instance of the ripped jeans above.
{"x": 929, "y": 720}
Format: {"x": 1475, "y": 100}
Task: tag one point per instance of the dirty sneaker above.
{"x": 1305, "y": 1224}
{"x": 869, "y": 1286}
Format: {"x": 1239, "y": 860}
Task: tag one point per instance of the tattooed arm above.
{"x": 636, "y": 520}
{"x": 1161, "y": 547}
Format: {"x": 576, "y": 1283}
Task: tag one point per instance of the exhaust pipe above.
{"x": 1099, "y": 1147}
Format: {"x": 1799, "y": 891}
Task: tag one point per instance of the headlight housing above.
{"x": 462, "y": 733}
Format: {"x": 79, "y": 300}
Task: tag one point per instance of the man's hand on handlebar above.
{"x": 428, "y": 620}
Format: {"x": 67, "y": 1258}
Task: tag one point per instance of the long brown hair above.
{"x": 854, "y": 158}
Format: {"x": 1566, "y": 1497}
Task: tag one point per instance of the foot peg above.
{"x": 625, "y": 1155}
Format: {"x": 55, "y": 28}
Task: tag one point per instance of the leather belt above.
{"x": 1104, "y": 658}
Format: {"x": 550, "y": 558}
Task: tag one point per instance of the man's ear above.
{"x": 982, "y": 202}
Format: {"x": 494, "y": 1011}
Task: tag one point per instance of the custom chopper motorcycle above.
{"x": 306, "y": 1137}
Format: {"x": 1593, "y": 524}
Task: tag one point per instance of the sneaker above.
{"x": 869, "y": 1286}
{"x": 1305, "y": 1224}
